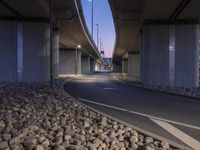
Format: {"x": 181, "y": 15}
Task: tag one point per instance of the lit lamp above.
{"x": 77, "y": 47}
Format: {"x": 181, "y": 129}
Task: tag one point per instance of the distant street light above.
{"x": 77, "y": 47}
{"x": 97, "y": 36}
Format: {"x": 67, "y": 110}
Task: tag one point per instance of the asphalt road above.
{"x": 172, "y": 117}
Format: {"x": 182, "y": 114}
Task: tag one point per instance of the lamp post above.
{"x": 92, "y": 17}
{"x": 77, "y": 47}
{"x": 97, "y": 36}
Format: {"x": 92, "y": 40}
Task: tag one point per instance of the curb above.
{"x": 154, "y": 90}
{"x": 142, "y": 131}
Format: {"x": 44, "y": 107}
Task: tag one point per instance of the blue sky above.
{"x": 103, "y": 17}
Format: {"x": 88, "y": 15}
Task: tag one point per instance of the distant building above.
{"x": 108, "y": 62}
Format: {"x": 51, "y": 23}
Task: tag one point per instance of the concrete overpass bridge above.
{"x": 157, "y": 41}
{"x": 25, "y": 40}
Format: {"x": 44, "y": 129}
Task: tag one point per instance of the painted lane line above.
{"x": 166, "y": 120}
{"x": 142, "y": 114}
{"x": 107, "y": 88}
{"x": 179, "y": 134}
{"x": 105, "y": 105}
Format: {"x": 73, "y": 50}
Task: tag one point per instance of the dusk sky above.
{"x": 103, "y": 17}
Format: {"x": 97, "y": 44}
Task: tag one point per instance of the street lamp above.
{"x": 92, "y": 17}
{"x": 77, "y": 47}
{"x": 97, "y": 36}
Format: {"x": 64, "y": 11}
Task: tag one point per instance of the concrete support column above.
{"x": 67, "y": 62}
{"x": 97, "y": 66}
{"x": 36, "y": 52}
{"x": 155, "y": 55}
{"x": 56, "y": 54}
{"x": 117, "y": 68}
{"x": 85, "y": 64}
{"x": 186, "y": 56}
{"x": 24, "y": 52}
{"x": 92, "y": 65}
{"x": 8, "y": 52}
{"x": 124, "y": 66}
{"x": 134, "y": 64}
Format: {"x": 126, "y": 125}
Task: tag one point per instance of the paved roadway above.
{"x": 172, "y": 117}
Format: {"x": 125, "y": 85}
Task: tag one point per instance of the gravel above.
{"x": 35, "y": 116}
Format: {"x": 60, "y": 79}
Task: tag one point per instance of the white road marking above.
{"x": 109, "y": 106}
{"x": 107, "y": 88}
{"x": 179, "y": 134}
{"x": 142, "y": 114}
{"x": 166, "y": 120}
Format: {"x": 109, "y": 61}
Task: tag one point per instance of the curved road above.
{"x": 172, "y": 117}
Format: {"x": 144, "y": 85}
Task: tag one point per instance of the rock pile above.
{"x": 40, "y": 118}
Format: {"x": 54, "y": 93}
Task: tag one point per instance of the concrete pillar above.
{"x": 117, "y": 68}
{"x": 8, "y": 51}
{"x": 155, "y": 55}
{"x": 85, "y": 64}
{"x": 56, "y": 54}
{"x": 24, "y": 52}
{"x": 67, "y": 62}
{"x": 36, "y": 52}
{"x": 97, "y": 66}
{"x": 124, "y": 66}
{"x": 134, "y": 64}
{"x": 186, "y": 56}
{"x": 92, "y": 65}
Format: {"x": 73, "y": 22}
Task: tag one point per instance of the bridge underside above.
{"x": 159, "y": 39}
{"x": 25, "y": 39}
